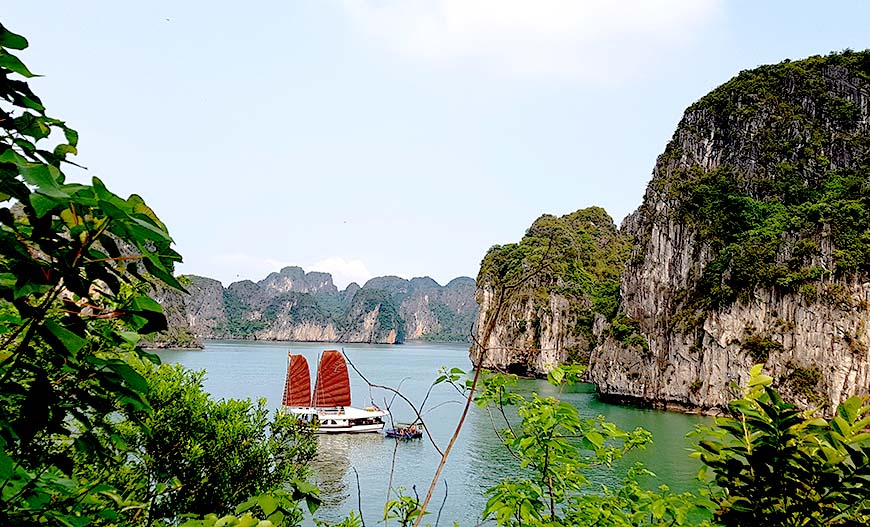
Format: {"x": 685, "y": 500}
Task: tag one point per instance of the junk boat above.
{"x": 329, "y": 405}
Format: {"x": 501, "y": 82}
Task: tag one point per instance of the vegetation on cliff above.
{"x": 376, "y": 301}
{"x": 578, "y": 256}
{"x": 295, "y": 305}
{"x": 787, "y": 204}
{"x": 752, "y": 244}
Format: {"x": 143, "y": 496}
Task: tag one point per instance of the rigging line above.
{"x": 316, "y": 381}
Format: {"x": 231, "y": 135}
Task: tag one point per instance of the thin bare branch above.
{"x": 400, "y": 395}
{"x": 442, "y": 403}
{"x": 441, "y": 508}
{"x": 453, "y": 438}
{"x": 398, "y": 387}
{"x": 481, "y": 350}
{"x": 500, "y": 438}
{"x": 358, "y": 496}
{"x": 390, "y": 482}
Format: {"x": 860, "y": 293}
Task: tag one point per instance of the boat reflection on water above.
{"x": 371, "y": 455}
{"x": 330, "y": 466}
{"x": 333, "y": 475}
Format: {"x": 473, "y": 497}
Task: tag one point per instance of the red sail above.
{"x": 333, "y": 384}
{"x": 297, "y": 387}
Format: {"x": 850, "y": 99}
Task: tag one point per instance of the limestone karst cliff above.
{"x": 440, "y": 313}
{"x": 551, "y": 287}
{"x": 295, "y": 305}
{"x": 178, "y": 333}
{"x": 204, "y": 307}
{"x": 752, "y": 244}
{"x": 430, "y": 311}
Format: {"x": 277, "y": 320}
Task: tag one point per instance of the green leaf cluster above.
{"x": 72, "y": 306}
{"x": 765, "y": 463}
{"x": 773, "y": 464}
{"x": 205, "y": 455}
{"x": 557, "y": 448}
{"x": 402, "y": 508}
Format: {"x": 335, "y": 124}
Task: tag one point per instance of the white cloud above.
{"x": 343, "y": 271}
{"x": 577, "y": 38}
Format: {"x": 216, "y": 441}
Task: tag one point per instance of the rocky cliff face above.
{"x": 752, "y": 244}
{"x": 295, "y": 305}
{"x": 551, "y": 287}
{"x": 179, "y": 334}
{"x": 432, "y": 312}
{"x": 377, "y": 318}
{"x": 204, "y": 307}
{"x": 297, "y": 280}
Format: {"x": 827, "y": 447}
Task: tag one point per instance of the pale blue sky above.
{"x": 367, "y": 138}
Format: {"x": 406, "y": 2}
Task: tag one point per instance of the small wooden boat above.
{"x": 329, "y": 405}
{"x": 412, "y": 432}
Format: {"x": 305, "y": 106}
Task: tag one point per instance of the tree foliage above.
{"x": 72, "y": 306}
{"x": 93, "y": 433}
{"x": 773, "y": 464}
{"x": 558, "y": 448}
{"x": 206, "y": 456}
{"x": 767, "y": 463}
{"x": 81, "y": 441}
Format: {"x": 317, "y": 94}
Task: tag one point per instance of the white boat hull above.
{"x": 342, "y": 419}
{"x": 351, "y": 429}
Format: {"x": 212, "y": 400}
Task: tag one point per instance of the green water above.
{"x": 478, "y": 460}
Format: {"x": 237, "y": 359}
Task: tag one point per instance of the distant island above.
{"x": 297, "y": 306}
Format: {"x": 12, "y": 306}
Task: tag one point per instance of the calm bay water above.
{"x": 238, "y": 369}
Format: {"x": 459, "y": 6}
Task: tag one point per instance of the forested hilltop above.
{"x": 751, "y": 245}
{"x": 573, "y": 264}
{"x": 295, "y": 305}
